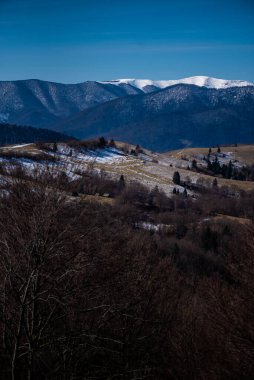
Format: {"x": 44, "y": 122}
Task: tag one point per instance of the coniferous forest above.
{"x": 13, "y": 134}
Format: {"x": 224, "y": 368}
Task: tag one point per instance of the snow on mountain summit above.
{"x": 201, "y": 81}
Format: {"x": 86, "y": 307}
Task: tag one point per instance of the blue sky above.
{"x": 73, "y": 41}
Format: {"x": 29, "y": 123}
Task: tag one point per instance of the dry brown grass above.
{"x": 228, "y": 218}
{"x": 98, "y": 199}
{"x": 151, "y": 174}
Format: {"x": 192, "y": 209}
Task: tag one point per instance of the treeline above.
{"x": 102, "y": 142}
{"x": 13, "y": 134}
{"x": 98, "y": 143}
{"x": 229, "y": 171}
{"x": 84, "y": 294}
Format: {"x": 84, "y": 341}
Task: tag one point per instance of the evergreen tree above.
{"x": 216, "y": 166}
{"x": 229, "y": 170}
{"x": 194, "y": 164}
{"x": 209, "y": 165}
{"x": 224, "y": 170}
{"x": 112, "y": 143}
{"x": 138, "y": 149}
{"x": 218, "y": 149}
{"x": 102, "y": 142}
{"x": 176, "y": 178}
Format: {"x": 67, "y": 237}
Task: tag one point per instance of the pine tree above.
{"x": 112, "y": 143}
{"x": 209, "y": 165}
{"x": 194, "y": 164}
{"x": 176, "y": 178}
{"x": 224, "y": 170}
{"x": 216, "y": 166}
{"x": 102, "y": 142}
{"x": 229, "y": 170}
{"x": 138, "y": 149}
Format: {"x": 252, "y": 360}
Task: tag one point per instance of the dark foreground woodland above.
{"x": 85, "y": 294}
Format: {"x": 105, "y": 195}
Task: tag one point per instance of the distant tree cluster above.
{"x": 98, "y": 143}
{"x": 229, "y": 171}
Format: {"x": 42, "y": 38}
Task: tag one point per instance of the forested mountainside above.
{"x": 13, "y": 134}
{"x": 41, "y": 104}
{"x": 179, "y": 116}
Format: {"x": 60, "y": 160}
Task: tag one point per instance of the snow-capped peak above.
{"x": 201, "y": 81}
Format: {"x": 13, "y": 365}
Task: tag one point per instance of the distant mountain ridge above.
{"x": 158, "y": 114}
{"x": 43, "y": 104}
{"x": 171, "y": 118}
{"x": 201, "y": 81}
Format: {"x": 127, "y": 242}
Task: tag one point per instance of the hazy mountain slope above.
{"x": 13, "y": 134}
{"x": 171, "y": 118}
{"x": 40, "y": 103}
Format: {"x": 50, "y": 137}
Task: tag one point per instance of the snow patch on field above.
{"x": 16, "y": 146}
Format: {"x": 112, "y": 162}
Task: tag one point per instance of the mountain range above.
{"x": 159, "y": 115}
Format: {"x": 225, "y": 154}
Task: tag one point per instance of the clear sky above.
{"x": 72, "y": 41}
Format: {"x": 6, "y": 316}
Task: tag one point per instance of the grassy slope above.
{"x": 157, "y": 169}
{"x": 243, "y": 153}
